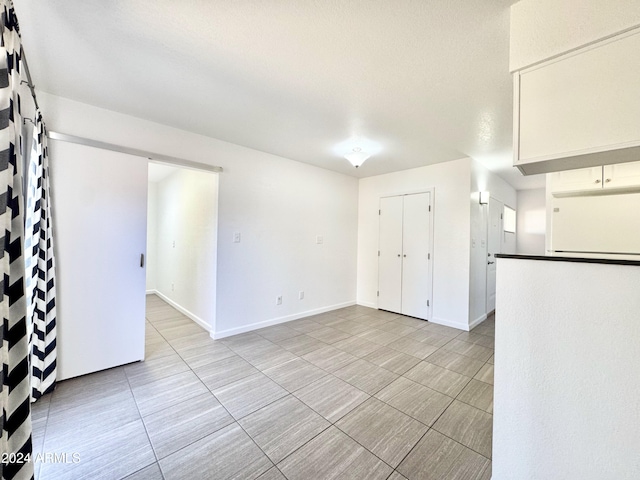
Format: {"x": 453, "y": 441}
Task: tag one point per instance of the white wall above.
{"x": 152, "y": 234}
{"x": 186, "y": 209}
{"x": 541, "y": 29}
{"x": 531, "y": 222}
{"x": 451, "y": 181}
{"x": 279, "y": 206}
{"x": 567, "y": 374}
{"x": 484, "y": 180}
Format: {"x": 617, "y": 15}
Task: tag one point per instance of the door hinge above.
{"x": 379, "y": 212}
{"x": 428, "y": 256}
{"x": 429, "y": 207}
{"x": 500, "y": 216}
{"x": 428, "y": 303}
{"x": 378, "y": 294}
{"x": 378, "y": 252}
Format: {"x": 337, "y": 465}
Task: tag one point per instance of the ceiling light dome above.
{"x": 357, "y": 157}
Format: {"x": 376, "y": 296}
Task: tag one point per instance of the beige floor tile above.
{"x": 379, "y": 336}
{"x": 181, "y": 331}
{"x": 152, "y": 472}
{"x": 392, "y": 360}
{"x": 147, "y": 371}
{"x": 180, "y": 344}
{"x": 491, "y": 360}
{"x": 272, "y": 474}
{"x": 201, "y": 355}
{"x": 485, "y": 374}
{"x": 478, "y": 394}
{"x": 294, "y": 374}
{"x": 331, "y": 397}
{"x": 467, "y": 425}
{"x": 454, "y": 361}
{"x": 417, "y": 401}
{"x": 305, "y": 325}
{"x": 442, "y": 330}
{"x": 217, "y": 374}
{"x": 397, "y": 328}
{"x": 437, "y": 457}
{"x": 167, "y": 392}
{"x": 366, "y": 376}
{"x": 329, "y": 358}
{"x": 249, "y": 394}
{"x": 157, "y": 349}
{"x": 106, "y": 453}
{"x": 397, "y": 476}
{"x": 283, "y": 426}
{"x": 431, "y": 338}
{"x": 477, "y": 339}
{"x": 301, "y": 345}
{"x": 444, "y": 381}
{"x": 267, "y": 357}
{"x": 476, "y": 352}
{"x": 410, "y": 321}
{"x": 383, "y": 314}
{"x": 278, "y": 332}
{"x": 372, "y": 320}
{"x": 174, "y": 428}
{"x": 413, "y": 347}
{"x": 226, "y": 454}
{"x": 383, "y": 430}
{"x": 333, "y": 455}
{"x": 329, "y": 335}
{"x": 357, "y": 346}
{"x": 352, "y": 327}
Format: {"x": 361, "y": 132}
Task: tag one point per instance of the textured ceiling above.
{"x": 418, "y": 81}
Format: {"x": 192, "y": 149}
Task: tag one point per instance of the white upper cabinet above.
{"x": 623, "y": 175}
{"x": 608, "y": 179}
{"x": 578, "y": 180}
{"x": 581, "y": 109}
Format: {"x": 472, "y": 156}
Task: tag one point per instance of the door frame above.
{"x": 432, "y": 202}
{"x": 486, "y": 266}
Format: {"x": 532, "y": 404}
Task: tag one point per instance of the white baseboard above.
{"x": 183, "y": 310}
{"x": 151, "y": 292}
{"x": 449, "y": 323}
{"x": 477, "y": 321}
{"x": 275, "y": 321}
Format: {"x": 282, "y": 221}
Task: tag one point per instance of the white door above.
{"x": 416, "y": 288}
{"x": 494, "y": 246}
{"x": 100, "y": 221}
{"x": 390, "y": 255}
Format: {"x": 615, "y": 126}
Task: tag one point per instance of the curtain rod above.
{"x": 28, "y": 81}
{"x": 157, "y": 157}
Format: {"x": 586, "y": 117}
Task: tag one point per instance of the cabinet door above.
{"x": 416, "y": 287}
{"x": 579, "y": 180}
{"x": 390, "y": 257}
{"x": 585, "y": 102}
{"x": 622, "y": 175}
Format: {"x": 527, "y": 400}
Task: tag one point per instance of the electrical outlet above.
{"x": 237, "y": 237}
{"x": 279, "y": 300}
{"x": 319, "y": 240}
{"x": 301, "y": 295}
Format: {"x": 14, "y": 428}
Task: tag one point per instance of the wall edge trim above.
{"x": 182, "y": 310}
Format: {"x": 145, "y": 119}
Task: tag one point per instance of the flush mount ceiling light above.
{"x": 357, "y": 156}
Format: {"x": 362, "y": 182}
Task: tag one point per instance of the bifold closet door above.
{"x": 416, "y": 236}
{"x": 100, "y": 221}
{"x": 390, "y": 255}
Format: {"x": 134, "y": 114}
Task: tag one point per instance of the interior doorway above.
{"x": 494, "y": 246}
{"x": 182, "y": 234}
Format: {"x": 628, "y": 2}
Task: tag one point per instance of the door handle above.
{"x": 142, "y": 260}
{"x": 398, "y": 255}
{"x": 491, "y": 263}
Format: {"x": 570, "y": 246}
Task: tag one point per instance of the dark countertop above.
{"x": 608, "y": 261}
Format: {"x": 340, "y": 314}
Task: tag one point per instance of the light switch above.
{"x": 319, "y": 240}
{"x": 236, "y": 237}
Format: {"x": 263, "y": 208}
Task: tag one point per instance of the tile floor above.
{"x": 355, "y": 393}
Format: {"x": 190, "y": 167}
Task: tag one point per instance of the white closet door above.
{"x": 416, "y": 286}
{"x": 390, "y": 260}
{"x": 100, "y": 220}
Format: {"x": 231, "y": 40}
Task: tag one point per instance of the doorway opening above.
{"x": 182, "y": 233}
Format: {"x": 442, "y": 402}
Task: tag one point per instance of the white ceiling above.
{"x": 422, "y": 81}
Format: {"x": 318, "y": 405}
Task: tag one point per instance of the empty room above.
{"x": 303, "y": 240}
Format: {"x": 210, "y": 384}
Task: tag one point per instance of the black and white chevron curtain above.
{"x": 28, "y": 330}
